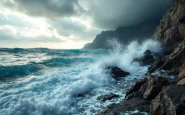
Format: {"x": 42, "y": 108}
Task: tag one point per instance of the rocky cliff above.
{"x": 125, "y": 34}
{"x": 160, "y": 93}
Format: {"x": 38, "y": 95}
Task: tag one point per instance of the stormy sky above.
{"x": 69, "y": 24}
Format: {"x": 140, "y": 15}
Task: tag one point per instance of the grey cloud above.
{"x": 67, "y": 28}
{"x": 106, "y": 14}
{"x": 110, "y": 14}
{"x": 45, "y": 8}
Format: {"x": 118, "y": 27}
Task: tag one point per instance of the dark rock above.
{"x": 169, "y": 102}
{"x": 128, "y": 105}
{"x": 147, "y": 88}
{"x": 147, "y": 52}
{"x": 182, "y": 18}
{"x": 107, "y": 97}
{"x": 132, "y": 95}
{"x": 133, "y": 90}
{"x": 171, "y": 62}
{"x": 124, "y": 34}
{"x": 173, "y": 71}
{"x": 175, "y": 58}
{"x": 155, "y": 85}
{"x": 156, "y": 65}
{"x": 146, "y": 59}
{"x": 172, "y": 36}
{"x": 116, "y": 72}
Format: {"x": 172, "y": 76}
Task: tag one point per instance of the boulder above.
{"x": 133, "y": 90}
{"x": 116, "y": 72}
{"x": 147, "y": 88}
{"x": 125, "y": 106}
{"x": 147, "y": 52}
{"x": 154, "y": 87}
{"x": 146, "y": 59}
{"x": 107, "y": 97}
{"x": 171, "y": 101}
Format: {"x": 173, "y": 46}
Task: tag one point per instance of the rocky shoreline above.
{"x": 159, "y": 94}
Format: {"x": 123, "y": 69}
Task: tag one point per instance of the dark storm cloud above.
{"x": 106, "y": 14}
{"x": 93, "y": 16}
{"x": 114, "y": 13}
{"x": 45, "y": 8}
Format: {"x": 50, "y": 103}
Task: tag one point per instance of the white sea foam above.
{"x": 73, "y": 89}
{"x": 123, "y": 57}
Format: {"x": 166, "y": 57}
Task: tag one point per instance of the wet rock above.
{"x": 147, "y": 52}
{"x": 107, "y": 97}
{"x": 171, "y": 101}
{"x": 146, "y": 59}
{"x": 128, "y": 105}
{"x": 181, "y": 82}
{"x": 116, "y": 72}
{"x": 173, "y": 71}
{"x": 172, "y": 61}
{"x": 175, "y": 58}
{"x": 155, "y": 85}
{"x": 133, "y": 90}
{"x": 147, "y": 88}
{"x": 156, "y": 65}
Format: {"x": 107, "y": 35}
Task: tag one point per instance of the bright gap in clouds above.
{"x": 69, "y": 24}
{"x": 29, "y": 32}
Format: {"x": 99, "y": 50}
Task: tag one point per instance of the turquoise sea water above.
{"x": 64, "y": 82}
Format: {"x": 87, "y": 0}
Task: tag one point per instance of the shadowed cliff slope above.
{"x": 124, "y": 34}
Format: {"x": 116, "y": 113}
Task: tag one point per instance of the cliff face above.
{"x": 171, "y": 33}
{"x": 161, "y": 94}
{"x": 171, "y": 30}
{"x": 124, "y": 34}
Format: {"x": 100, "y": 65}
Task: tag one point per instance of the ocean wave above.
{"x": 18, "y": 70}
{"x": 60, "y": 62}
{"x": 74, "y": 85}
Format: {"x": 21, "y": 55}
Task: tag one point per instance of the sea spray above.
{"x": 73, "y": 88}
{"x": 123, "y": 56}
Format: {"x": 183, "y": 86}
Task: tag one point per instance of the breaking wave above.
{"x": 69, "y": 81}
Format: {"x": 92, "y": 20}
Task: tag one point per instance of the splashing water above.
{"x": 67, "y": 81}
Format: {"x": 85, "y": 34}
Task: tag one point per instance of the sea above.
{"x": 41, "y": 81}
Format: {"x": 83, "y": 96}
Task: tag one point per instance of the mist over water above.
{"x": 66, "y": 82}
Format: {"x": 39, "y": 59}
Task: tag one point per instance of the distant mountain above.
{"x": 124, "y": 34}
